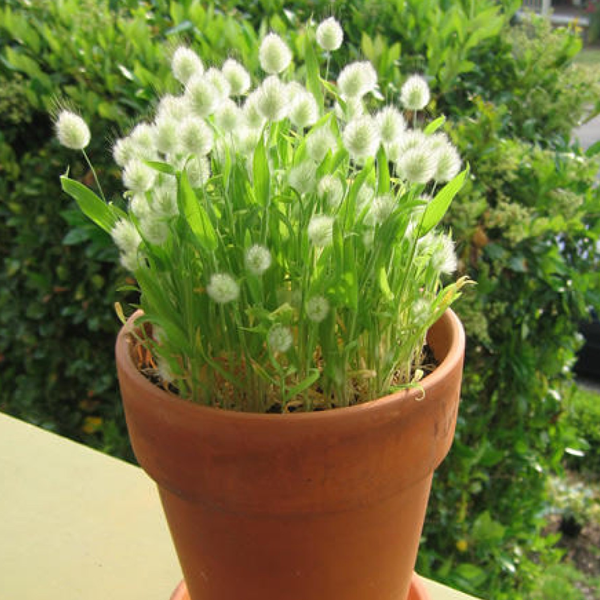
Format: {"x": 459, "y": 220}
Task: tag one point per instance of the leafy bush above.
{"x": 582, "y": 417}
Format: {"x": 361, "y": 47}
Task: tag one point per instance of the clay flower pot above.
{"x": 304, "y": 506}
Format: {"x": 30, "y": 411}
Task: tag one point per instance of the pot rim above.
{"x": 453, "y": 356}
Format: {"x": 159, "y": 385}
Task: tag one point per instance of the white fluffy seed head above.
{"x": 257, "y": 259}
{"x": 237, "y": 77}
{"x": 138, "y": 177}
{"x": 219, "y": 81}
{"x": 72, "y": 131}
{"x": 331, "y": 190}
{"x": 167, "y": 135}
{"x": 357, "y": 79}
{"x": 273, "y": 54}
{"x": 273, "y": 99}
{"x": 164, "y": 200}
{"x": 408, "y": 140}
{"x": 245, "y": 139}
{"x": 154, "y": 230}
{"x": 123, "y": 151}
{"x": 228, "y": 116}
{"x": 317, "y": 309}
{"x": 223, "y": 288}
{"x": 448, "y": 163}
{"x": 319, "y": 142}
{"x": 126, "y": 236}
{"x": 443, "y": 257}
{"x": 130, "y": 260}
{"x": 415, "y": 94}
{"x": 196, "y": 137}
{"x": 198, "y": 171}
{"x": 320, "y": 230}
{"x": 391, "y": 124}
{"x": 252, "y": 114}
{"x": 417, "y": 165}
{"x": 361, "y": 138}
{"x": 139, "y": 206}
{"x": 280, "y": 338}
{"x": 173, "y": 107}
{"x": 302, "y": 177}
{"x": 330, "y": 34}
{"x": 201, "y": 95}
{"x": 381, "y": 208}
{"x": 420, "y": 311}
{"x": 143, "y": 141}
{"x": 185, "y": 64}
{"x": 304, "y": 111}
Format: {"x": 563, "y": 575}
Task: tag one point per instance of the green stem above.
{"x": 89, "y": 163}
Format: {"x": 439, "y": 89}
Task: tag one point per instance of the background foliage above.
{"x": 527, "y": 230}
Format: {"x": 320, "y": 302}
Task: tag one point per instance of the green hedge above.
{"x": 527, "y": 228}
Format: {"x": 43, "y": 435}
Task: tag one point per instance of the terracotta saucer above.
{"x": 417, "y": 590}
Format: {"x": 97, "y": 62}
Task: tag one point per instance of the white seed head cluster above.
{"x": 237, "y": 77}
{"x": 330, "y": 34}
{"x": 223, "y": 288}
{"x": 415, "y": 94}
{"x": 357, "y": 79}
{"x": 72, "y": 131}
{"x": 391, "y": 124}
{"x": 317, "y": 308}
{"x": 201, "y": 95}
{"x": 257, "y": 259}
{"x": 274, "y": 55}
{"x": 302, "y": 177}
{"x": 167, "y": 135}
{"x": 185, "y": 64}
{"x": 448, "y": 160}
{"x": 320, "y": 230}
{"x": 443, "y": 257}
{"x": 361, "y": 137}
{"x": 154, "y": 229}
{"x": 273, "y": 99}
{"x": 417, "y": 165}
{"x": 198, "y": 171}
{"x": 128, "y": 240}
{"x": 228, "y": 116}
{"x": 304, "y": 111}
{"x": 138, "y": 176}
{"x": 280, "y": 338}
{"x": 331, "y": 190}
{"x": 319, "y": 142}
{"x": 381, "y": 208}
{"x": 196, "y": 137}
{"x": 219, "y": 83}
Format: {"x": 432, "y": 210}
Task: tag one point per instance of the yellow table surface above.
{"x": 76, "y": 524}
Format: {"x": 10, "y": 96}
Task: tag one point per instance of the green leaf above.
{"x": 261, "y": 174}
{"x": 384, "y": 284}
{"x": 195, "y": 215}
{"x": 437, "y": 208}
{"x": 161, "y": 167}
{"x": 435, "y": 125}
{"x": 91, "y": 205}
{"x": 303, "y": 385}
{"x": 313, "y": 79}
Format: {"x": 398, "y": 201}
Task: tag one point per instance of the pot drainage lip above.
{"x": 417, "y": 590}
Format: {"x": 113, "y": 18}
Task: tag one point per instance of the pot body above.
{"x": 302, "y": 506}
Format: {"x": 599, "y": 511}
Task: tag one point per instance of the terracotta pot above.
{"x": 302, "y": 506}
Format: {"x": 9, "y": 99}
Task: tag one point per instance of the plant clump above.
{"x": 284, "y": 239}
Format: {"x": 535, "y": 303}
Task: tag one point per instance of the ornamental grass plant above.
{"x": 284, "y": 237}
